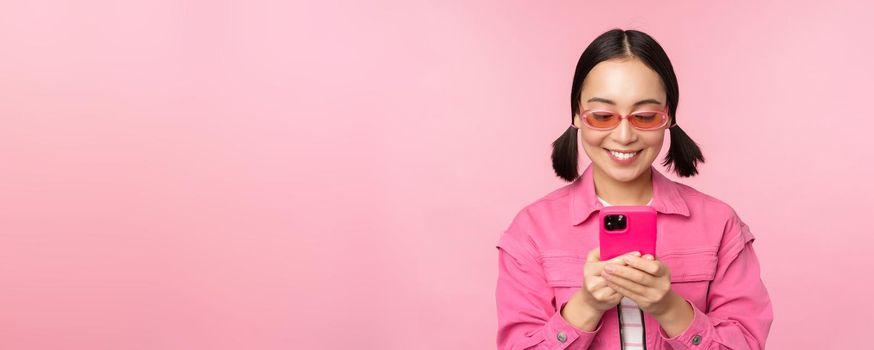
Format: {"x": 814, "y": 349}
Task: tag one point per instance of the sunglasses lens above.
{"x": 647, "y": 120}
{"x": 601, "y": 119}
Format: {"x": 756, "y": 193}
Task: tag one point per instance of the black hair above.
{"x": 683, "y": 155}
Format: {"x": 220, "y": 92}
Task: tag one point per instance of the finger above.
{"x": 598, "y": 282}
{"x": 625, "y": 292}
{"x": 648, "y": 266}
{"x": 649, "y": 257}
{"x": 595, "y": 282}
{"x": 633, "y": 287}
{"x": 621, "y": 258}
{"x": 594, "y": 255}
{"x": 631, "y": 274}
{"x": 604, "y": 293}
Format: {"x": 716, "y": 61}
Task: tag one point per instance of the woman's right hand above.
{"x": 588, "y": 304}
{"x": 595, "y": 291}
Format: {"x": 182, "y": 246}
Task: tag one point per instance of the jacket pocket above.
{"x": 691, "y": 274}
{"x": 564, "y": 274}
{"x": 690, "y": 266}
{"x": 563, "y": 269}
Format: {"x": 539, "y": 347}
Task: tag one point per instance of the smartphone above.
{"x": 627, "y": 228}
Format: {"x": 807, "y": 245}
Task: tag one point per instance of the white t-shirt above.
{"x": 631, "y": 328}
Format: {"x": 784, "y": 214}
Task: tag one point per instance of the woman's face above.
{"x": 616, "y": 85}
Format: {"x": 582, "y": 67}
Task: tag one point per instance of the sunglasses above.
{"x": 603, "y": 119}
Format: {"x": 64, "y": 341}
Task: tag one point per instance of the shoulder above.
{"x": 719, "y": 215}
{"x": 705, "y": 206}
{"x": 543, "y": 214}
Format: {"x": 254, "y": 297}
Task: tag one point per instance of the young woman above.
{"x": 703, "y": 291}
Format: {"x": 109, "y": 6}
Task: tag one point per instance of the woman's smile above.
{"x": 622, "y": 158}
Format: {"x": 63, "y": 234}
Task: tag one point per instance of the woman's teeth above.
{"x": 623, "y": 156}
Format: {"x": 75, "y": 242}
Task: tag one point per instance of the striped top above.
{"x": 631, "y": 329}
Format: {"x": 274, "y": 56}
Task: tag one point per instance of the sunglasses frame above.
{"x": 663, "y": 113}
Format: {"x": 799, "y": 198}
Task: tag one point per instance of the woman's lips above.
{"x": 622, "y": 161}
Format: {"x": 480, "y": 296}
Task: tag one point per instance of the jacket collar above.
{"x": 584, "y": 201}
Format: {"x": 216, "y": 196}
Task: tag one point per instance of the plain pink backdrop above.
{"x": 332, "y": 175}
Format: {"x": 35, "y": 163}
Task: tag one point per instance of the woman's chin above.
{"x": 622, "y": 174}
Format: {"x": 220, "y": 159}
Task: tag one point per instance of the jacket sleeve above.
{"x": 740, "y": 312}
{"x": 527, "y": 318}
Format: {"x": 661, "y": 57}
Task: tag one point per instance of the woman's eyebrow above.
{"x": 638, "y": 103}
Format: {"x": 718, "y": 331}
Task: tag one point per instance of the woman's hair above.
{"x": 683, "y": 155}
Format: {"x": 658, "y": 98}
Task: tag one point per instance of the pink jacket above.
{"x": 706, "y": 246}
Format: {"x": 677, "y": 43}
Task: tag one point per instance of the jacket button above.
{"x": 696, "y": 339}
{"x": 561, "y": 337}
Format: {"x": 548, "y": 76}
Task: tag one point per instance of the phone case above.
{"x": 638, "y": 235}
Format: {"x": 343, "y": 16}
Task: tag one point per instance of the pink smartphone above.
{"x": 627, "y": 228}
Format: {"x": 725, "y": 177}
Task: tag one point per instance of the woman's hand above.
{"x": 647, "y": 282}
{"x": 643, "y": 279}
{"x": 596, "y": 292}
{"x": 588, "y": 304}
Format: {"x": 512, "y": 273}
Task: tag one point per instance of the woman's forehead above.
{"x": 624, "y": 82}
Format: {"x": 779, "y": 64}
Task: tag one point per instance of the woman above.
{"x": 703, "y": 291}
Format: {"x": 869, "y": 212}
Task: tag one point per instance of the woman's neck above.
{"x": 634, "y": 192}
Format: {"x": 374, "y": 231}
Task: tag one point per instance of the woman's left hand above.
{"x": 644, "y": 280}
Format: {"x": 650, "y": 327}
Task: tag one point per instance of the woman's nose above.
{"x": 624, "y": 132}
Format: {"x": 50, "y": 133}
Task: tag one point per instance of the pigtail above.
{"x": 684, "y": 154}
{"x": 565, "y": 155}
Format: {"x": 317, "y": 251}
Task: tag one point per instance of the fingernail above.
{"x": 635, "y": 253}
{"x": 627, "y": 258}
{"x": 609, "y": 268}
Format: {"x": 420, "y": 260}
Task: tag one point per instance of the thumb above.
{"x": 594, "y": 255}
{"x": 619, "y": 259}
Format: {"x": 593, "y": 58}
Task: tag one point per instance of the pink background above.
{"x": 333, "y": 175}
